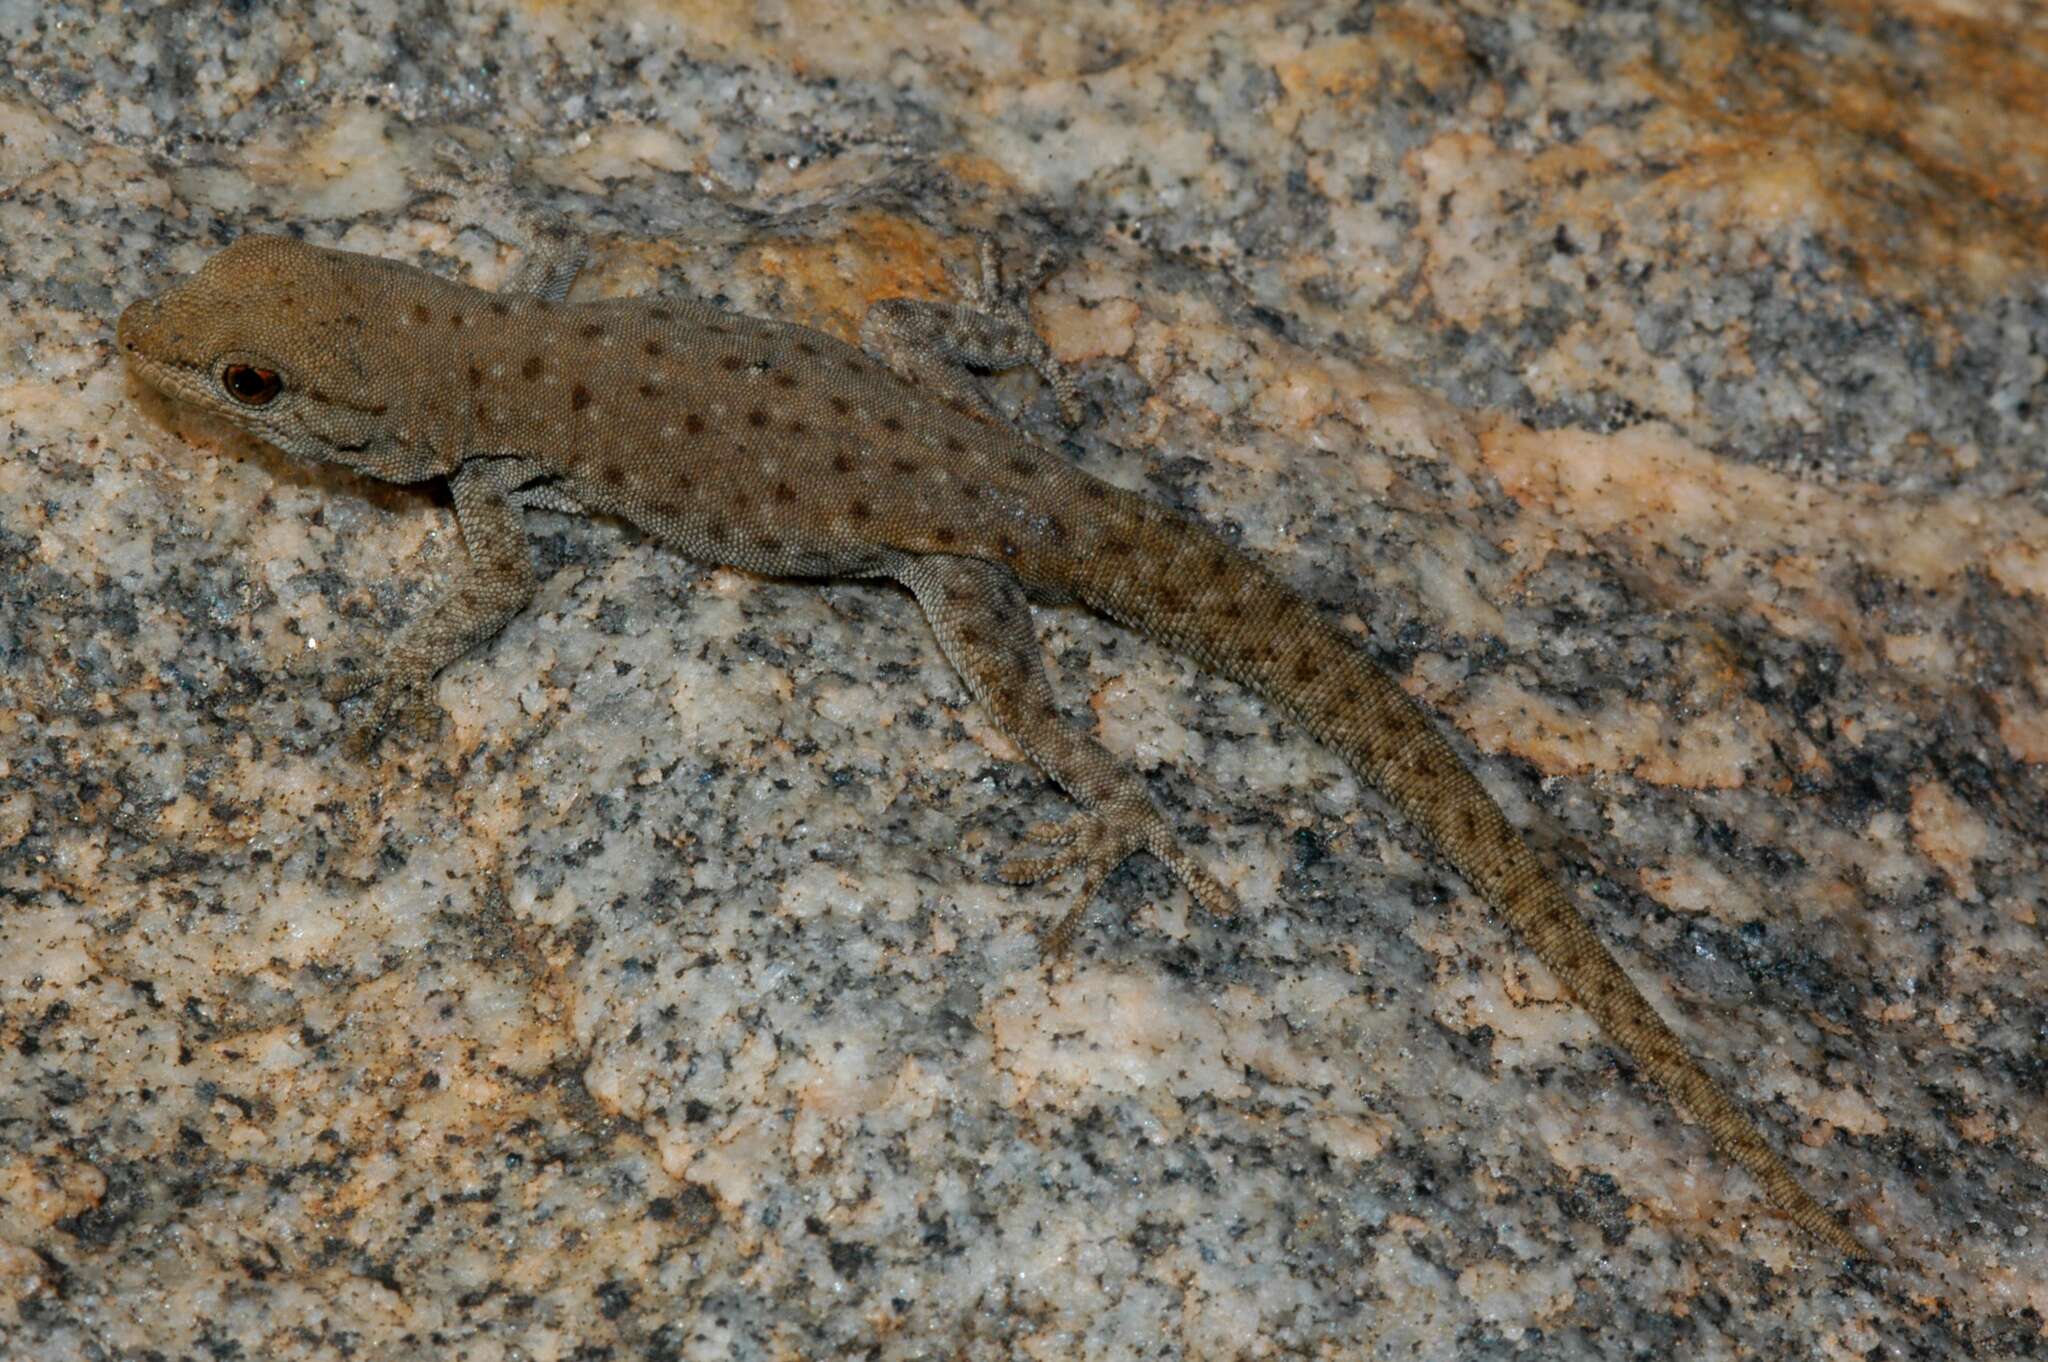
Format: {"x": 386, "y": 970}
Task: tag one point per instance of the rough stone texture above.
{"x": 1661, "y": 393}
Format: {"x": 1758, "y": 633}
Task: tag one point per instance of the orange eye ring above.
{"x": 251, "y": 386}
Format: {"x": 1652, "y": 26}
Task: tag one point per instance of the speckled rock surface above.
{"x": 1660, "y": 394}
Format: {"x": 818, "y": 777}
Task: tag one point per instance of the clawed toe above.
{"x": 395, "y": 708}
{"x": 1099, "y": 842}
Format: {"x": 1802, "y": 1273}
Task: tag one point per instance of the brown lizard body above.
{"x": 781, "y": 450}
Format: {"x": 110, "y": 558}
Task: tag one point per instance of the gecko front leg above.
{"x": 478, "y": 192}
{"x": 496, "y": 583}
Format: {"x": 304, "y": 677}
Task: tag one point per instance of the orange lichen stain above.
{"x": 2023, "y": 721}
{"x": 977, "y": 172}
{"x": 1346, "y": 72}
{"x": 1078, "y": 332}
{"x": 1736, "y": 522}
{"x": 1713, "y": 751}
{"x": 1949, "y": 833}
{"x": 833, "y": 280}
{"x": 1932, "y": 170}
{"x": 1343, "y": 72}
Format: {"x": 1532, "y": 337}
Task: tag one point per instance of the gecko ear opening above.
{"x": 251, "y": 386}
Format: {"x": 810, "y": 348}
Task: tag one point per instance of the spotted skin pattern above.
{"x": 780, "y": 450}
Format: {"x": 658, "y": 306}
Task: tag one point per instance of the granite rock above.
{"x": 1661, "y": 393}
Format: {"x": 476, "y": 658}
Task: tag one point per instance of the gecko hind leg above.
{"x": 937, "y": 343}
{"x": 983, "y": 623}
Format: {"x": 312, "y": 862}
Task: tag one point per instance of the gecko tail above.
{"x": 1214, "y": 603}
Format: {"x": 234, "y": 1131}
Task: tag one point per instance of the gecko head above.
{"x": 270, "y": 335}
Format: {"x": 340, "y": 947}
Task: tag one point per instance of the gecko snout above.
{"x": 137, "y": 319}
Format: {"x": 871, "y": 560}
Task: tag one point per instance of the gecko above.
{"x": 781, "y": 450}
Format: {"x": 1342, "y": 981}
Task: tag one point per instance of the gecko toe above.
{"x": 396, "y": 709}
{"x": 1100, "y": 840}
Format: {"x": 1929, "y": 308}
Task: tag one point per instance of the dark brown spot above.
{"x": 953, "y": 445}
{"x": 318, "y": 395}
{"x": 649, "y": 390}
{"x": 806, "y": 348}
{"x": 1218, "y": 565}
{"x": 421, "y": 315}
{"x": 1306, "y": 670}
{"x": 768, "y": 545}
{"x": 543, "y": 305}
{"x": 1093, "y": 490}
{"x": 784, "y": 380}
{"x": 757, "y": 418}
{"x": 970, "y": 491}
{"x": 476, "y": 377}
{"x": 1022, "y": 467}
{"x": 1008, "y": 547}
{"x": 717, "y": 528}
{"x": 1468, "y": 822}
{"x": 799, "y": 428}
{"x": 694, "y": 423}
{"x": 660, "y": 314}
{"x": 842, "y": 462}
{"x": 455, "y": 319}
{"x": 379, "y": 409}
{"x": 902, "y": 466}
{"x": 741, "y": 502}
{"x": 841, "y": 405}
{"x": 652, "y": 346}
{"x": 731, "y": 363}
{"x": 1056, "y": 529}
{"x": 483, "y": 417}
{"x": 970, "y": 638}
{"x": 859, "y": 510}
{"x": 784, "y": 492}
{"x": 351, "y": 319}
{"x": 614, "y": 475}
{"x": 945, "y": 534}
{"x": 1232, "y": 610}
{"x": 890, "y": 423}
{"x": 1116, "y": 548}
{"x": 854, "y": 366}
{"x": 532, "y": 367}
{"x": 591, "y": 332}
{"x": 1169, "y": 599}
{"x": 499, "y": 308}
{"x": 579, "y": 397}
{"x": 719, "y": 329}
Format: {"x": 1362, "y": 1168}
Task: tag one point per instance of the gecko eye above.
{"x": 251, "y": 386}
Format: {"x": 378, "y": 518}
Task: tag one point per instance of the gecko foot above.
{"x": 1003, "y": 303}
{"x": 1100, "y": 840}
{"x": 397, "y": 706}
{"x": 941, "y": 344}
{"x": 475, "y": 190}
